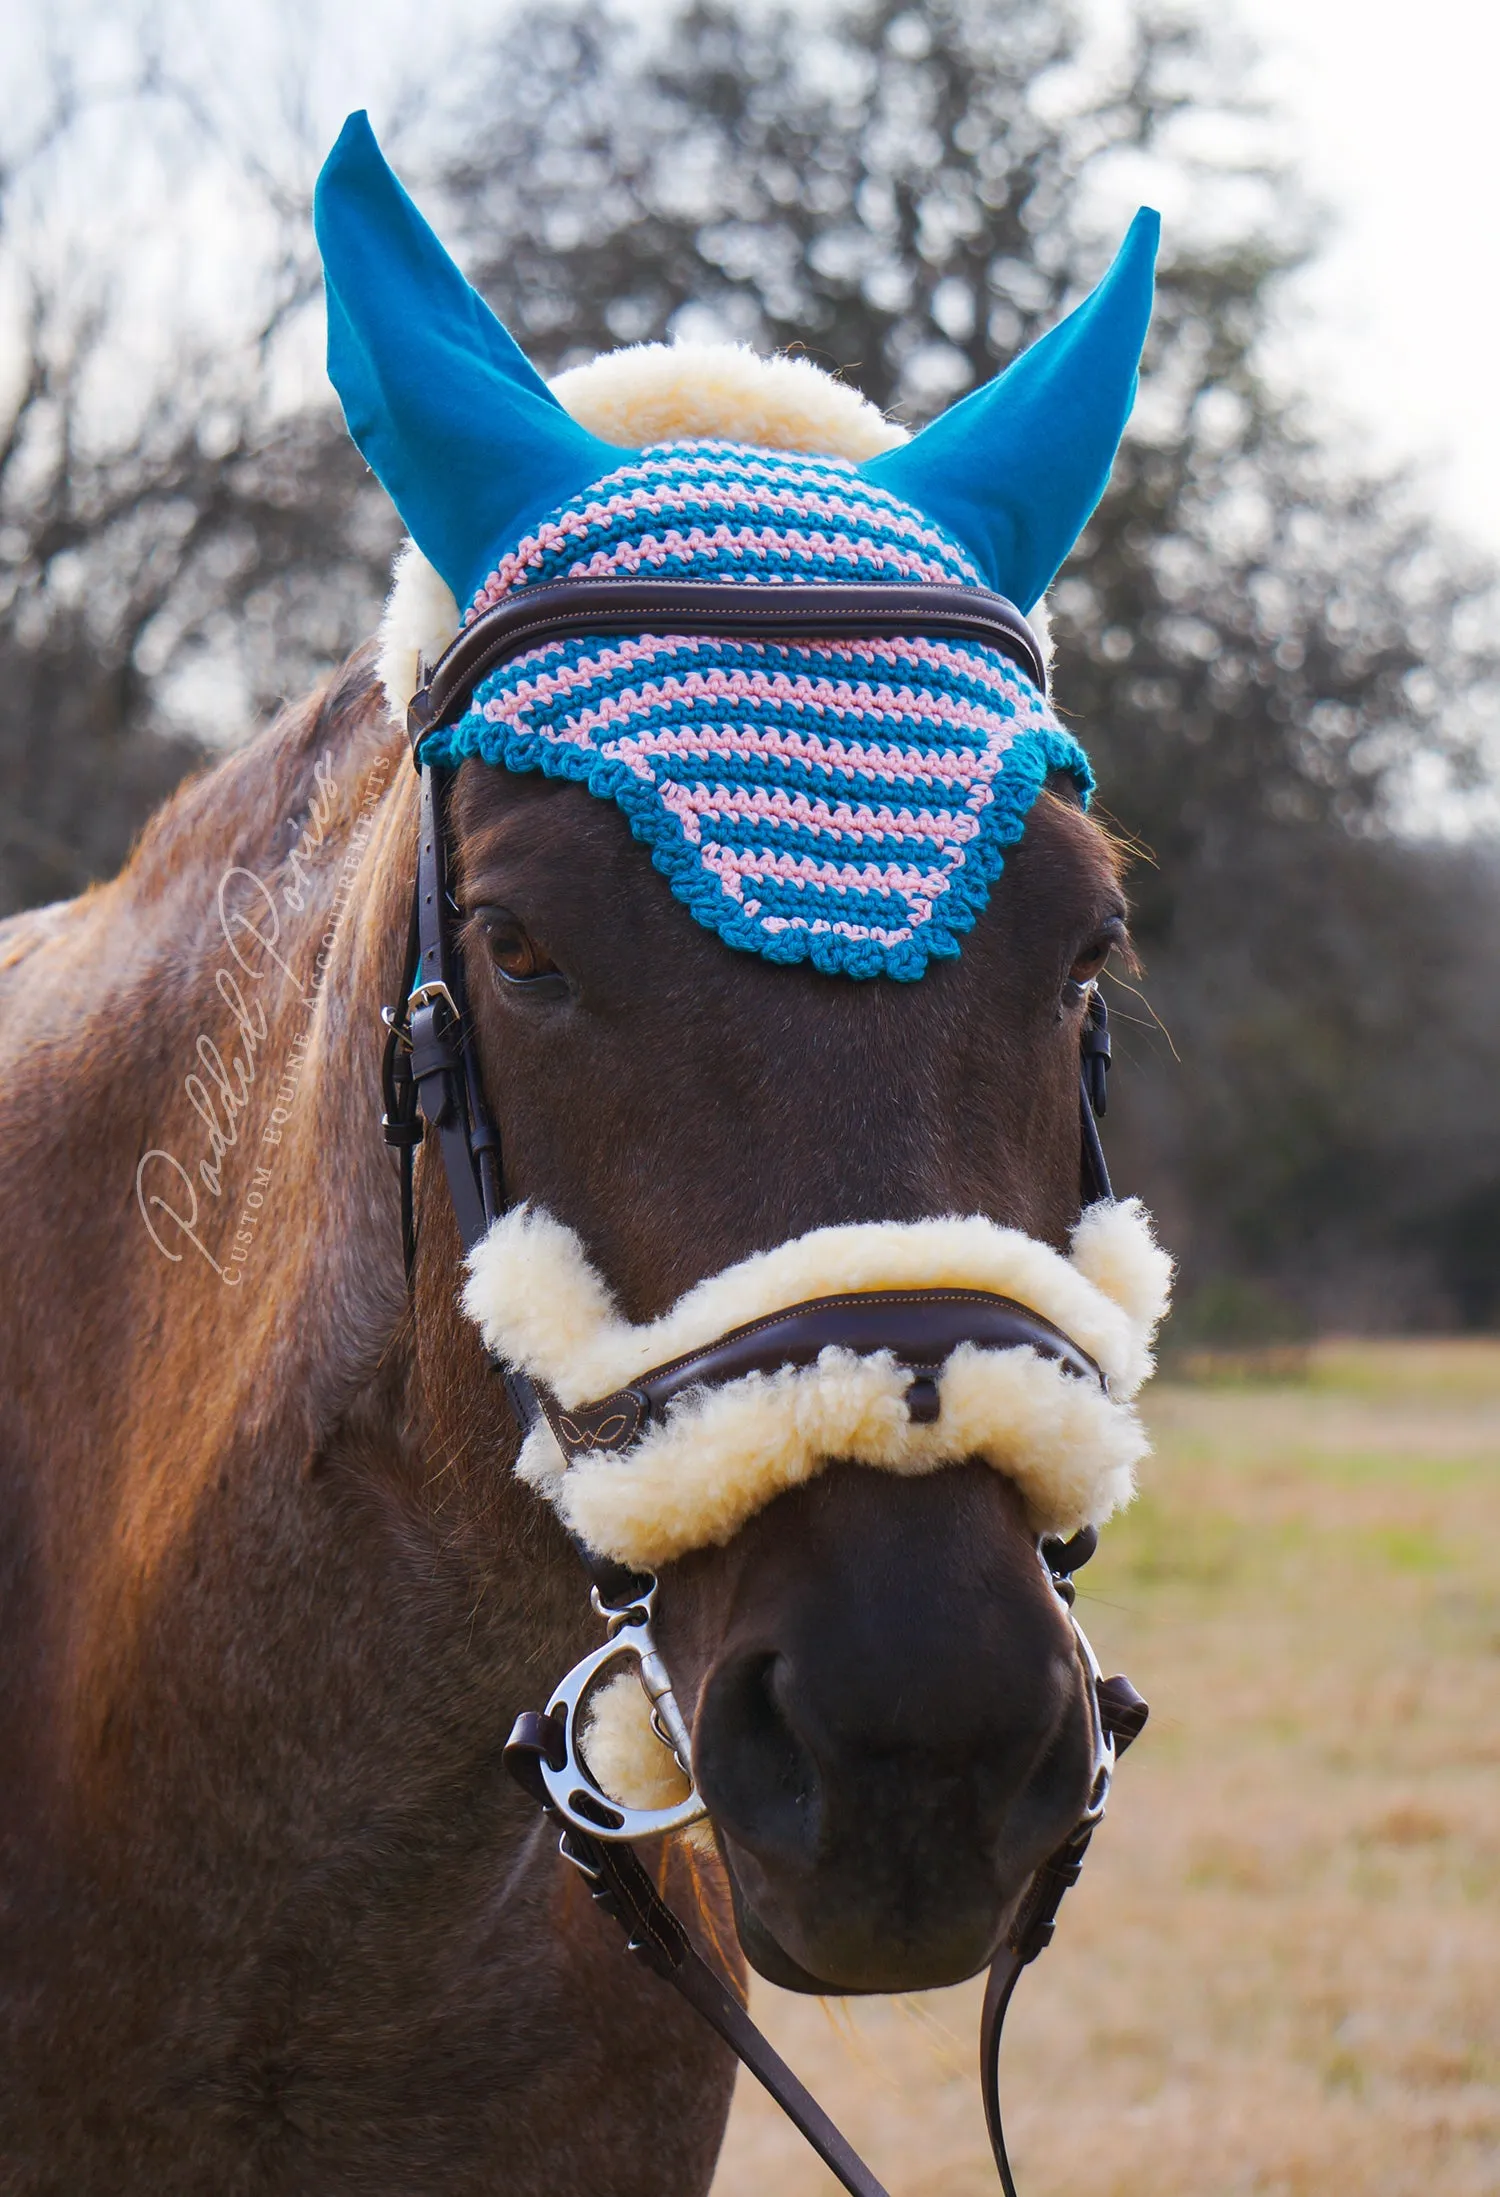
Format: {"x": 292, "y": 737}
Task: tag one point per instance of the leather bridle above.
{"x": 433, "y": 1087}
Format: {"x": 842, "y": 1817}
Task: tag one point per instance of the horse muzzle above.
{"x": 868, "y": 1849}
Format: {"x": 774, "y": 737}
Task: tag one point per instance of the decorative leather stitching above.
{"x": 938, "y": 1295}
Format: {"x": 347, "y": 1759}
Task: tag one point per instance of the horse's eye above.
{"x": 513, "y": 952}
{"x": 1090, "y": 962}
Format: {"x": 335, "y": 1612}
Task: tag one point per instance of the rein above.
{"x": 432, "y": 1083}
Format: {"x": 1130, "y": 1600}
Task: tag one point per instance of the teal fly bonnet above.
{"x": 844, "y": 802}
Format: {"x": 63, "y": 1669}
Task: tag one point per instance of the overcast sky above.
{"x": 1391, "y": 116}
{"x": 1393, "y": 110}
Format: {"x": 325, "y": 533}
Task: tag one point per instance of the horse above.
{"x": 274, "y": 1918}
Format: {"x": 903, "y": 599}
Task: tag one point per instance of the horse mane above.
{"x": 251, "y": 808}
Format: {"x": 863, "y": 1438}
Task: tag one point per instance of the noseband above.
{"x": 432, "y": 1084}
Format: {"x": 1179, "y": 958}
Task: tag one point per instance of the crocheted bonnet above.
{"x": 844, "y": 802}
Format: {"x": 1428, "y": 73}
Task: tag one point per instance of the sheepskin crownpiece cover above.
{"x": 846, "y": 803}
{"x": 721, "y": 1454}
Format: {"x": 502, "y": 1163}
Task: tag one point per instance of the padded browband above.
{"x": 919, "y": 1327}
{"x": 533, "y": 616}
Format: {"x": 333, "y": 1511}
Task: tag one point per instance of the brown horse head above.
{"x": 889, "y": 1714}
{"x": 891, "y": 1723}
{"x": 280, "y": 1567}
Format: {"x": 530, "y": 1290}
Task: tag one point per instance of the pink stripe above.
{"x": 742, "y": 862}
{"x": 898, "y": 652}
{"x": 702, "y": 743}
{"x": 841, "y": 929}
{"x": 836, "y": 930}
{"x": 653, "y": 499}
{"x": 706, "y": 743}
{"x": 713, "y": 456}
{"x": 761, "y": 804}
{"x": 785, "y": 499}
{"x": 817, "y": 697}
{"x": 723, "y": 744}
{"x": 652, "y": 551}
{"x": 821, "y": 697}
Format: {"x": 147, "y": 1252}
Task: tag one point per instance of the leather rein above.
{"x": 433, "y": 1086}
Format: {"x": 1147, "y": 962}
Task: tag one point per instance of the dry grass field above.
{"x": 1281, "y": 1971}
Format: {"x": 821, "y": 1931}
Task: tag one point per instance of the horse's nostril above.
{"x": 758, "y": 1778}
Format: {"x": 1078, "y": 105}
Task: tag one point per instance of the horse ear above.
{"x": 461, "y": 430}
{"x": 1016, "y": 469}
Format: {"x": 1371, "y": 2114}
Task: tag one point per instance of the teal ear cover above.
{"x": 1016, "y": 469}
{"x": 461, "y": 430}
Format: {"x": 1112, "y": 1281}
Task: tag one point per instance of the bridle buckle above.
{"x": 428, "y": 995}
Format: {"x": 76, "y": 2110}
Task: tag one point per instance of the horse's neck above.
{"x": 212, "y": 1404}
{"x": 269, "y": 1598}
{"x": 219, "y": 1038}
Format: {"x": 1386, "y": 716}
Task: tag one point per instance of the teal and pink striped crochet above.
{"x": 842, "y": 803}
{"x": 846, "y": 803}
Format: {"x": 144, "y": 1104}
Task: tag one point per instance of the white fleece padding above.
{"x": 723, "y": 1453}
{"x": 1115, "y": 1248}
{"x": 421, "y": 618}
{"x": 659, "y": 392}
{"x": 622, "y": 1750}
{"x": 670, "y": 392}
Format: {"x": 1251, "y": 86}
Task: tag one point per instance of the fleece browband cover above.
{"x": 722, "y": 1454}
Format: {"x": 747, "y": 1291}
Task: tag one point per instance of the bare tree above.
{"x": 176, "y": 552}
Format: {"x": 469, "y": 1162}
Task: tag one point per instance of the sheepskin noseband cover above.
{"x": 721, "y": 1454}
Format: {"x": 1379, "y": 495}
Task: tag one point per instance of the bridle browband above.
{"x": 432, "y": 1082}
{"x": 723, "y": 610}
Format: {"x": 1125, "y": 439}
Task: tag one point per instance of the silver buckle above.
{"x": 425, "y": 994}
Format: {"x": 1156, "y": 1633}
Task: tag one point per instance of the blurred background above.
{"x": 1280, "y": 639}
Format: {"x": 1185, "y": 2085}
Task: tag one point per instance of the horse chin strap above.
{"x": 432, "y": 1084}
